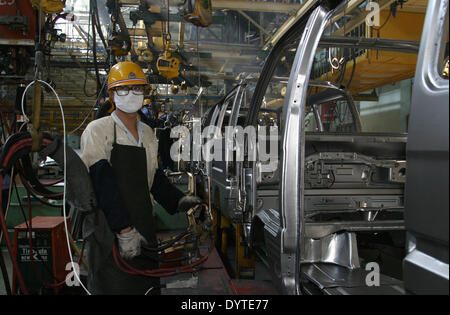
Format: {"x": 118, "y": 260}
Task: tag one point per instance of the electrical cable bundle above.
{"x": 27, "y": 172}
{"x": 16, "y": 146}
{"x": 164, "y": 272}
{"x": 23, "y": 162}
{"x": 161, "y": 272}
{"x": 96, "y": 27}
{"x": 94, "y": 51}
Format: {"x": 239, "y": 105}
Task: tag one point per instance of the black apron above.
{"x": 129, "y": 164}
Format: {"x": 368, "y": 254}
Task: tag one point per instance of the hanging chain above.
{"x": 168, "y": 35}
{"x": 334, "y": 61}
{"x": 198, "y": 72}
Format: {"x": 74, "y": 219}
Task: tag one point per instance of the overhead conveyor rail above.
{"x": 398, "y": 45}
{"x": 371, "y": 56}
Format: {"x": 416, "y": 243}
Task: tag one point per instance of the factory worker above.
{"x": 121, "y": 154}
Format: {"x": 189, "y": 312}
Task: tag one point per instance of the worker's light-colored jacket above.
{"x": 98, "y": 137}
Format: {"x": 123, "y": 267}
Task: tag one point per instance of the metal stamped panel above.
{"x": 333, "y": 276}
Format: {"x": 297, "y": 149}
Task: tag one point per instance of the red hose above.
{"x": 17, "y": 146}
{"x": 20, "y": 145}
{"x": 10, "y": 249}
{"x": 30, "y": 187}
{"x": 162, "y": 272}
{"x": 53, "y": 183}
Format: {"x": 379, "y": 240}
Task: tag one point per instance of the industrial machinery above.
{"x": 145, "y": 55}
{"x": 119, "y": 43}
{"x": 46, "y": 259}
{"x": 198, "y": 12}
{"x": 17, "y": 21}
{"x": 180, "y": 253}
{"x": 197, "y": 234}
{"x": 17, "y": 32}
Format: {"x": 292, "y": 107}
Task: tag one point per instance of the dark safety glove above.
{"x": 188, "y": 202}
{"x": 202, "y": 215}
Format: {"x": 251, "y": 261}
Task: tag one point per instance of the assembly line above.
{"x": 224, "y": 147}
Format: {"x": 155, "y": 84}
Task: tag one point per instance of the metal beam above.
{"x": 214, "y": 46}
{"x": 287, "y": 25}
{"x": 352, "y": 4}
{"x": 301, "y": 11}
{"x": 255, "y": 6}
{"x": 398, "y": 45}
{"x": 189, "y": 97}
{"x": 77, "y": 28}
{"x": 148, "y": 32}
{"x": 180, "y": 34}
{"x": 261, "y": 35}
{"x": 358, "y": 20}
{"x": 253, "y": 22}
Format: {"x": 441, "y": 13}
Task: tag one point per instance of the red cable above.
{"x": 27, "y": 184}
{"x": 162, "y": 272}
{"x": 20, "y": 145}
{"x": 10, "y": 249}
{"x": 53, "y": 183}
{"x": 156, "y": 270}
{"x": 17, "y": 146}
{"x": 46, "y": 185}
{"x": 30, "y": 226}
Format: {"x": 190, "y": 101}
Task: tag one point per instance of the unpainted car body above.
{"x": 337, "y": 195}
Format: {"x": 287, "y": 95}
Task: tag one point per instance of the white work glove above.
{"x": 130, "y": 243}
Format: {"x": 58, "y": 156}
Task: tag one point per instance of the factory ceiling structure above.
{"x": 238, "y": 41}
{"x": 211, "y": 57}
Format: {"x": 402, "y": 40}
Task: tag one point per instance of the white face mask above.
{"x": 130, "y": 103}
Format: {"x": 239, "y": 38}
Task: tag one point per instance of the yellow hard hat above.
{"x": 48, "y": 6}
{"x": 126, "y": 73}
{"x": 147, "y": 101}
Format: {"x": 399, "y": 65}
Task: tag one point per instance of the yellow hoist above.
{"x": 168, "y": 65}
{"x": 145, "y": 55}
{"x": 48, "y": 6}
{"x": 198, "y": 12}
